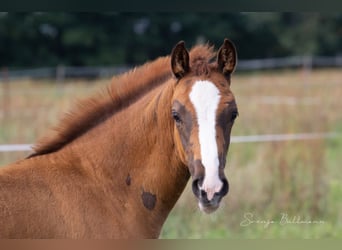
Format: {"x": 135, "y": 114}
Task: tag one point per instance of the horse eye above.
{"x": 234, "y": 115}
{"x": 176, "y": 117}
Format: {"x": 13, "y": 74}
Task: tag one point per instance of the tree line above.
{"x": 86, "y": 39}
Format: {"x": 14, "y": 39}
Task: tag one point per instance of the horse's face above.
{"x": 204, "y": 110}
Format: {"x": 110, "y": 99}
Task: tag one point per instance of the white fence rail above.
{"x": 15, "y": 147}
{"x": 61, "y": 72}
{"x": 233, "y": 139}
{"x": 307, "y": 62}
{"x": 282, "y": 137}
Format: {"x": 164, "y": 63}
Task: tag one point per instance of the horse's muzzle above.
{"x": 206, "y": 205}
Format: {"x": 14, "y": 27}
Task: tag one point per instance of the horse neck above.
{"x": 134, "y": 153}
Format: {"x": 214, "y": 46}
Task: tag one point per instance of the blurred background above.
{"x": 288, "y": 82}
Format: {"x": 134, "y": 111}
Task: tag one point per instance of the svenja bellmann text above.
{"x": 285, "y": 219}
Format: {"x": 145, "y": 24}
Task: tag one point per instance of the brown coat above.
{"x": 115, "y": 166}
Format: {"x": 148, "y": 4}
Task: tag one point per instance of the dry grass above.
{"x": 300, "y": 178}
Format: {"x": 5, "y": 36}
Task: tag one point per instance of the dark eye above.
{"x": 234, "y": 115}
{"x": 176, "y": 117}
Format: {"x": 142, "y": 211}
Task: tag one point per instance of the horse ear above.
{"x": 180, "y": 60}
{"x": 227, "y": 58}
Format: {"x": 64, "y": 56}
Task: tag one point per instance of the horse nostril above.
{"x": 203, "y": 193}
{"x": 196, "y": 187}
{"x": 225, "y": 187}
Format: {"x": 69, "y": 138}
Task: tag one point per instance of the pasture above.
{"x": 287, "y": 189}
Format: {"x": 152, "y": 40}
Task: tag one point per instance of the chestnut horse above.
{"x": 115, "y": 166}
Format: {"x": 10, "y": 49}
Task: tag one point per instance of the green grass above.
{"x": 186, "y": 222}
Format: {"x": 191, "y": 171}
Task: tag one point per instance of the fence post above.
{"x": 6, "y": 103}
{"x": 60, "y": 77}
{"x": 307, "y": 68}
{"x": 60, "y": 74}
{"x": 338, "y": 60}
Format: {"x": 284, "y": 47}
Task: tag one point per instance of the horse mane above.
{"x": 123, "y": 91}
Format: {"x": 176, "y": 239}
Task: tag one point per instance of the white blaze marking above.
{"x": 205, "y": 97}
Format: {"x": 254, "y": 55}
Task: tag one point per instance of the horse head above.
{"x": 203, "y": 111}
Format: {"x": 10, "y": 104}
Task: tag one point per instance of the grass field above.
{"x": 289, "y": 189}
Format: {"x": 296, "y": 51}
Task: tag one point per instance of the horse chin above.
{"x": 208, "y": 209}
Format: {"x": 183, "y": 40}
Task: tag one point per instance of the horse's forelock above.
{"x": 200, "y": 58}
